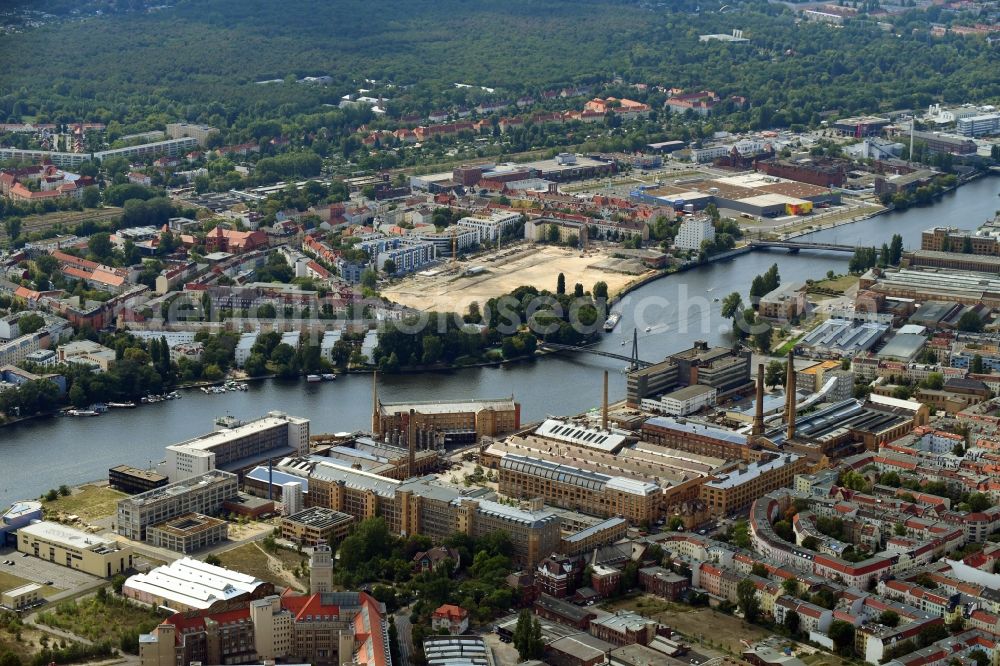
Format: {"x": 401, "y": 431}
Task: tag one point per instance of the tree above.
{"x": 578, "y": 290}
{"x": 553, "y": 235}
{"x": 931, "y": 634}
{"x": 792, "y": 622}
{"x": 978, "y": 502}
{"x": 970, "y": 322}
{"x": 90, "y": 197}
{"x": 775, "y": 373}
{"x": 977, "y": 365}
{"x": 746, "y": 595}
{"x": 759, "y": 569}
{"x": 842, "y": 635}
{"x": 732, "y": 305}
{"x": 980, "y": 657}
{"x": 389, "y": 267}
{"x": 810, "y": 543}
{"x": 368, "y": 278}
{"x": 561, "y": 284}
{"x": 214, "y": 560}
{"x": 8, "y": 658}
{"x": 934, "y": 381}
{"x": 64, "y": 490}
{"x": 675, "y": 523}
{"x": 527, "y": 636}
{"x": 13, "y": 227}
{"x": 601, "y": 290}
{"x": 762, "y": 338}
{"x": 889, "y": 618}
{"x": 790, "y": 586}
{"x": 100, "y": 246}
{"x": 30, "y": 323}
{"x": 895, "y": 249}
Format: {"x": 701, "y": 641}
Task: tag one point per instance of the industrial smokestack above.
{"x": 790, "y": 396}
{"x": 411, "y": 444}
{"x": 758, "y": 419}
{"x": 604, "y": 404}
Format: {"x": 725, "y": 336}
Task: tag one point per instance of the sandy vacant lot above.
{"x": 449, "y": 291}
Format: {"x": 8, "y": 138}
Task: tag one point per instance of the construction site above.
{"x": 451, "y": 287}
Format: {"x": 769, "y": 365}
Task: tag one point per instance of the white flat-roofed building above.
{"x": 693, "y": 232}
{"x": 188, "y": 584}
{"x": 330, "y": 338}
{"x": 682, "y": 402}
{"x": 239, "y": 447}
{"x": 981, "y": 125}
{"x": 244, "y": 347}
{"x": 21, "y": 597}
{"x": 76, "y": 549}
{"x": 591, "y": 438}
{"x": 492, "y": 227}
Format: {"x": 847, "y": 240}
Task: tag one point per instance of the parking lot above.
{"x": 40, "y": 571}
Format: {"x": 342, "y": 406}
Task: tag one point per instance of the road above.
{"x": 405, "y": 633}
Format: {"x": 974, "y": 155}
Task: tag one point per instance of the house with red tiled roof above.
{"x": 450, "y": 618}
{"x": 236, "y": 242}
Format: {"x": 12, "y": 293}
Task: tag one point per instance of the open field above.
{"x": 98, "y": 618}
{"x": 537, "y": 267}
{"x": 251, "y": 559}
{"x": 700, "y": 625}
{"x": 89, "y": 502}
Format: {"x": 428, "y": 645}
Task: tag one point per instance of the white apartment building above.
{"x": 489, "y": 229}
{"x": 693, "y": 232}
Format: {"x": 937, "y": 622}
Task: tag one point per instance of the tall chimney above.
{"x": 790, "y": 396}
{"x": 411, "y": 444}
{"x": 758, "y": 418}
{"x": 604, "y": 404}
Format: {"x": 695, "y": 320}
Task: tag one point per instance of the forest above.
{"x": 199, "y": 60}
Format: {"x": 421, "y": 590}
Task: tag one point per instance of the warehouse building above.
{"x": 191, "y": 585}
{"x": 75, "y": 549}
{"x": 437, "y": 422}
{"x": 424, "y": 506}
{"x": 729, "y": 493}
{"x": 579, "y": 489}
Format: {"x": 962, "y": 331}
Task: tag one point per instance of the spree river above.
{"x": 677, "y": 310}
